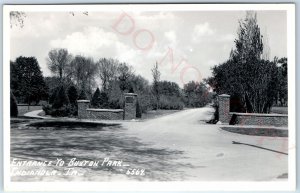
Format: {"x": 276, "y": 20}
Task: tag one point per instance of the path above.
{"x": 210, "y": 150}
{"x": 34, "y": 114}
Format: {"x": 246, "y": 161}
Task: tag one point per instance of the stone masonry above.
{"x": 128, "y": 113}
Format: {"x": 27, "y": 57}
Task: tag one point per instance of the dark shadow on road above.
{"x": 235, "y": 142}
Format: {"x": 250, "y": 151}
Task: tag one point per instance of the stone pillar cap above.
{"x": 83, "y": 101}
{"x": 130, "y": 94}
{"x": 224, "y": 95}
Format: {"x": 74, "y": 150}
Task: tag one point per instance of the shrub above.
{"x": 47, "y": 109}
{"x": 63, "y": 111}
{"x": 13, "y": 105}
{"x": 73, "y": 110}
{"x": 72, "y": 95}
{"x": 170, "y": 103}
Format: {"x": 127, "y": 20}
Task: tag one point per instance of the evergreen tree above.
{"x": 61, "y": 98}
{"x": 73, "y": 95}
{"x": 103, "y": 100}
{"x": 82, "y": 95}
{"x": 96, "y": 100}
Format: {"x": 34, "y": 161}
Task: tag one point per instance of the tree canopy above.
{"x": 27, "y": 81}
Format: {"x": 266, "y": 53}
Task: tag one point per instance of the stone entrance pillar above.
{"x": 82, "y": 106}
{"x": 224, "y": 108}
{"x": 130, "y": 106}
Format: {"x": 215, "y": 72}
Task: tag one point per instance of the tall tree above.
{"x": 249, "y": 44}
{"x": 82, "y": 72}
{"x": 30, "y": 80}
{"x": 246, "y": 75}
{"x": 107, "y": 71}
{"x": 155, "y": 84}
{"x": 58, "y": 61}
{"x": 125, "y": 72}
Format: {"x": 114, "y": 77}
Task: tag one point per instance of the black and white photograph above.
{"x": 149, "y": 93}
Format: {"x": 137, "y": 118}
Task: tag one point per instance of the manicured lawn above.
{"x": 279, "y": 110}
{"x": 22, "y": 109}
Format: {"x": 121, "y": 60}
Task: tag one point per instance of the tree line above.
{"x": 103, "y": 82}
{"x": 254, "y": 82}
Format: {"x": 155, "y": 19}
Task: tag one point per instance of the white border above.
{"x": 151, "y": 186}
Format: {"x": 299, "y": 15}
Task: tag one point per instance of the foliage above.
{"x": 282, "y": 95}
{"x": 27, "y": 82}
{"x": 196, "y": 94}
{"x": 104, "y": 101}
{"x": 13, "y": 105}
{"x": 138, "y": 110}
{"x": 96, "y": 101}
{"x": 107, "y": 69}
{"x": 251, "y": 80}
{"x": 72, "y": 95}
{"x": 53, "y": 82}
{"x": 82, "y": 72}
{"x": 61, "y": 98}
{"x": 115, "y": 95}
{"x": 17, "y": 18}
{"x": 53, "y": 95}
{"x": 170, "y": 103}
{"x": 125, "y": 72}
{"x": 58, "y": 61}
{"x": 155, "y": 85}
{"x": 82, "y": 95}
{"x": 63, "y": 111}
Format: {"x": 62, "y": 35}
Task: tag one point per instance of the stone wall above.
{"x": 233, "y": 118}
{"x": 128, "y": 113}
{"x": 105, "y": 114}
{"x": 278, "y": 120}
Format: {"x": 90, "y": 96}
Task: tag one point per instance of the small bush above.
{"x": 13, "y": 105}
{"x": 63, "y": 111}
{"x": 73, "y": 110}
{"x": 47, "y": 109}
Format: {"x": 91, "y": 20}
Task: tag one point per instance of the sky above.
{"x": 184, "y": 44}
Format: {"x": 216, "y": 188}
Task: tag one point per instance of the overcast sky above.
{"x": 199, "y": 39}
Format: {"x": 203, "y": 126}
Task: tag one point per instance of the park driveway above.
{"x": 209, "y": 150}
{"x": 174, "y": 147}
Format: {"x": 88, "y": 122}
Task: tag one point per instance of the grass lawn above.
{"x": 22, "y": 109}
{"x": 157, "y": 113}
{"x": 279, "y": 110}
